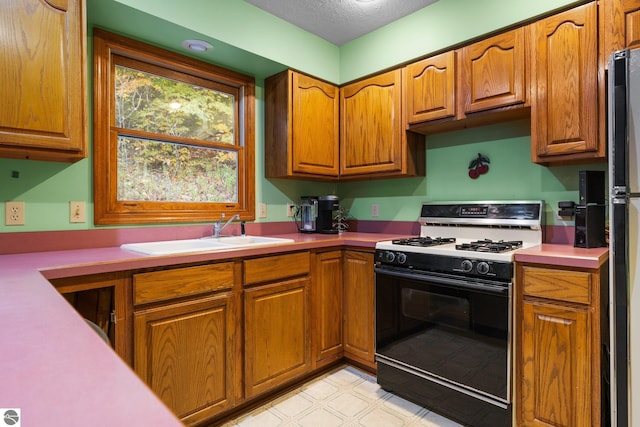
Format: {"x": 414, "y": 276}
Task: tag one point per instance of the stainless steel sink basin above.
{"x": 207, "y": 244}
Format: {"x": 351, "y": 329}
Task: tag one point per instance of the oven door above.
{"x": 454, "y": 331}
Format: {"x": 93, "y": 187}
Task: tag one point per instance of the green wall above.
{"x": 251, "y": 41}
{"x": 511, "y": 176}
{"x": 425, "y": 31}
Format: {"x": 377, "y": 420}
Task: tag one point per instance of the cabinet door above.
{"x": 431, "y": 88}
{"x": 564, "y": 114}
{"x": 371, "y": 125}
{"x": 622, "y": 25}
{"x": 302, "y": 136}
{"x": 359, "y": 294}
{"x": 186, "y": 353}
{"x": 327, "y": 307}
{"x": 42, "y": 114}
{"x": 493, "y": 72}
{"x": 104, "y": 299}
{"x": 277, "y": 340}
{"x": 316, "y": 133}
{"x": 556, "y": 366}
{"x": 628, "y": 29}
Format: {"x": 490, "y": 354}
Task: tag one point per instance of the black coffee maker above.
{"x": 327, "y": 205}
{"x": 316, "y": 214}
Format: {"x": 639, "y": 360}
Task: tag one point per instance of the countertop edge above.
{"x": 563, "y": 256}
{"x": 59, "y": 366}
{"x": 60, "y": 372}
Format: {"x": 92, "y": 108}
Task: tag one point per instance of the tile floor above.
{"x": 344, "y": 396}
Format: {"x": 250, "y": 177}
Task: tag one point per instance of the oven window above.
{"x": 448, "y": 331}
{"x": 452, "y": 311}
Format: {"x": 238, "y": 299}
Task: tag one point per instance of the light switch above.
{"x": 77, "y": 212}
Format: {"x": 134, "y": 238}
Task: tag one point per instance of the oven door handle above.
{"x": 449, "y": 281}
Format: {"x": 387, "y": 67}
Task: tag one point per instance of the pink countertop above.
{"x": 56, "y": 370}
{"x": 563, "y": 255}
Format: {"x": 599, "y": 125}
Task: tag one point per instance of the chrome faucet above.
{"x": 218, "y": 227}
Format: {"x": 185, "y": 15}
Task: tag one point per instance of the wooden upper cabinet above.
{"x": 302, "y": 127}
{"x": 43, "y": 109}
{"x": 373, "y": 140}
{"x": 430, "y": 88}
{"x": 621, "y": 28}
{"x": 568, "y": 88}
{"x": 493, "y": 72}
{"x": 631, "y": 16}
{"x": 457, "y": 89}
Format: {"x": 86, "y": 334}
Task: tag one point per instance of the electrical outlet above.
{"x": 262, "y": 210}
{"x": 14, "y": 213}
{"x": 291, "y": 209}
{"x": 374, "y": 210}
{"x": 77, "y": 212}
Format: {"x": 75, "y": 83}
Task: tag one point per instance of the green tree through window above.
{"x": 178, "y": 145}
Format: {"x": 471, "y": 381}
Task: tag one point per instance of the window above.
{"x": 173, "y": 137}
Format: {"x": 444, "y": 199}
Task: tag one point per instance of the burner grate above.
{"x": 424, "y": 241}
{"x": 487, "y": 245}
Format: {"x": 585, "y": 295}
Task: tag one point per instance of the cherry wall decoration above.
{"x": 478, "y": 166}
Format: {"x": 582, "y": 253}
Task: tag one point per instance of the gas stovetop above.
{"x": 487, "y": 231}
{"x": 488, "y": 245}
{"x": 484, "y": 245}
{"x": 481, "y": 249}
{"x": 424, "y": 241}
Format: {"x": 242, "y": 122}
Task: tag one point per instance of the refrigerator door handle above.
{"x": 618, "y": 191}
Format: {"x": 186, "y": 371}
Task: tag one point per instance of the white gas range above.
{"x": 444, "y": 308}
{"x": 475, "y": 235}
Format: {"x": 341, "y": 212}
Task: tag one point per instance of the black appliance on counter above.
{"x": 444, "y": 310}
{"x": 316, "y": 214}
{"x": 590, "y": 211}
{"x": 327, "y": 208}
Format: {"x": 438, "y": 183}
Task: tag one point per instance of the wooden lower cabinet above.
{"x": 277, "y": 338}
{"x": 326, "y": 308}
{"x": 359, "y": 303}
{"x": 187, "y": 337}
{"x": 556, "y": 356}
{"x": 558, "y": 346}
{"x": 207, "y": 338}
{"x": 105, "y": 300}
{"x": 186, "y": 352}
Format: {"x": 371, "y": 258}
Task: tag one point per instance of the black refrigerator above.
{"x": 624, "y": 208}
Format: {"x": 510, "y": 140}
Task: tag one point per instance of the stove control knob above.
{"x": 483, "y": 267}
{"x": 466, "y": 266}
{"x": 390, "y": 257}
{"x": 401, "y": 257}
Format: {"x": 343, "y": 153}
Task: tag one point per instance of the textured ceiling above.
{"x": 340, "y": 21}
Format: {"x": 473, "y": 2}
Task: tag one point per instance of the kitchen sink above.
{"x": 206, "y": 244}
{"x": 248, "y": 240}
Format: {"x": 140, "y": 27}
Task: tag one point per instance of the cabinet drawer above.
{"x": 564, "y": 285}
{"x": 275, "y": 267}
{"x": 180, "y": 282}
